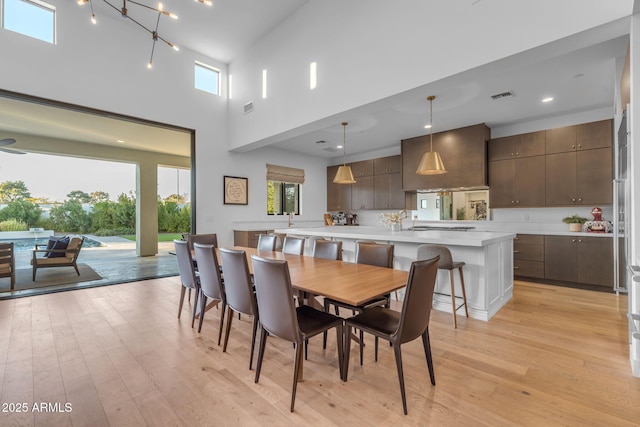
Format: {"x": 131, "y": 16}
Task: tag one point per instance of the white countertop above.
{"x": 477, "y": 238}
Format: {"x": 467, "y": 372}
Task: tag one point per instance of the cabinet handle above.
{"x": 579, "y": 200}
{"x": 573, "y": 200}
{"x": 573, "y": 146}
{"x": 511, "y": 154}
{"x": 579, "y": 145}
{"x": 573, "y": 240}
{"x": 516, "y": 268}
{"x": 517, "y": 154}
{"x": 516, "y": 238}
{"x": 512, "y": 202}
{"x": 516, "y": 252}
{"x": 579, "y": 240}
{"x": 517, "y": 201}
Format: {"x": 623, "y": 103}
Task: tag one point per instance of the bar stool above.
{"x": 447, "y": 263}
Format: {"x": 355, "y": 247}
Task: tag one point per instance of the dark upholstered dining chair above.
{"x": 267, "y": 242}
{"x": 203, "y": 239}
{"x": 327, "y": 249}
{"x": 293, "y": 245}
{"x": 211, "y": 286}
{"x": 279, "y": 316}
{"x": 378, "y": 254}
{"x": 447, "y": 263}
{"x": 407, "y": 325}
{"x": 239, "y": 292}
{"x": 187, "y": 275}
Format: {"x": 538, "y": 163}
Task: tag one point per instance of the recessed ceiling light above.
{"x": 427, "y": 126}
{"x": 547, "y": 99}
{"x": 120, "y": 141}
{"x": 338, "y": 146}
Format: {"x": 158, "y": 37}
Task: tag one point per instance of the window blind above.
{"x": 285, "y": 174}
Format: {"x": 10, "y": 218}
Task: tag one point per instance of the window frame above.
{"x": 282, "y": 198}
{"x": 209, "y": 68}
{"x": 40, "y": 5}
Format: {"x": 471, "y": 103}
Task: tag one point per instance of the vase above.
{"x": 395, "y": 226}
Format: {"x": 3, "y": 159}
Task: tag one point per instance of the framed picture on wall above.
{"x": 236, "y": 190}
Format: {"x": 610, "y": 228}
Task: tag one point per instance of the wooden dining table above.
{"x": 346, "y": 282}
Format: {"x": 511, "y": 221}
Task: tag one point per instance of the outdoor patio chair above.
{"x": 44, "y": 257}
{"x": 7, "y": 262}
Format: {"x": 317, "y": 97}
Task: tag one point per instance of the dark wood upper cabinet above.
{"x": 595, "y": 135}
{"x": 525, "y": 145}
{"x": 463, "y": 152}
{"x": 338, "y": 195}
{"x": 585, "y": 136}
{"x": 362, "y": 168}
{"x": 518, "y": 182}
{"x": 385, "y": 165}
{"x": 560, "y": 140}
{"x": 579, "y": 178}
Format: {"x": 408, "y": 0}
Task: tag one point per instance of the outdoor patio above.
{"x": 115, "y": 262}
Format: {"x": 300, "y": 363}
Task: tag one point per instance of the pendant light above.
{"x": 431, "y": 163}
{"x": 344, "y": 174}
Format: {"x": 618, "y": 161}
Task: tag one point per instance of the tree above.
{"x": 99, "y": 196}
{"x": 79, "y": 196}
{"x": 13, "y": 190}
{"x": 22, "y": 210}
{"x": 70, "y": 216}
{"x": 125, "y": 212}
{"x": 103, "y": 214}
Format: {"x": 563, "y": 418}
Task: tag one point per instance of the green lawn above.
{"x": 162, "y": 237}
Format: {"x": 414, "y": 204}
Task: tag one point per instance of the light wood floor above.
{"x": 119, "y": 356}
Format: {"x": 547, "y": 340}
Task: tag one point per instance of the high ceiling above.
{"x": 579, "y": 79}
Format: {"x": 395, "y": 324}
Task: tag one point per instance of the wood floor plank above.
{"x": 120, "y": 356}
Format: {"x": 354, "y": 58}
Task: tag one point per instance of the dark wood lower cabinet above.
{"x": 587, "y": 260}
{"x": 528, "y": 256}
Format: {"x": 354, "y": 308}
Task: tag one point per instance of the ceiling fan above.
{"x": 9, "y": 141}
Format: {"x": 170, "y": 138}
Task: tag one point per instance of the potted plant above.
{"x": 575, "y": 222}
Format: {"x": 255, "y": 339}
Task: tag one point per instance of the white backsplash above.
{"x": 513, "y": 220}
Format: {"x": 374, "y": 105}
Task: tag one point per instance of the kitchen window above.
{"x": 283, "y": 189}
{"x": 283, "y": 198}
{"x": 32, "y": 18}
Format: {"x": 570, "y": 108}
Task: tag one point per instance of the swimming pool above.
{"x": 20, "y": 245}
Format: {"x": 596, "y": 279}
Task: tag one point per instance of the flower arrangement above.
{"x": 393, "y": 217}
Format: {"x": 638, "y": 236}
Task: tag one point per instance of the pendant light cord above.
{"x": 344, "y": 143}
{"x": 430, "y": 99}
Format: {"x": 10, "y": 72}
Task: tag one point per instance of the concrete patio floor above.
{"x": 116, "y": 261}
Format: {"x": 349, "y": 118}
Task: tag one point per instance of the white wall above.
{"x": 104, "y": 67}
{"x": 370, "y": 50}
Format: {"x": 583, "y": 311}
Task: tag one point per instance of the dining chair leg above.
{"x": 464, "y": 292}
{"x": 203, "y": 304}
{"x": 263, "y": 343}
{"x": 453, "y": 299}
{"x": 224, "y": 308}
{"x": 297, "y": 367}
{"x": 306, "y": 349}
{"x": 253, "y": 340}
{"x": 340, "y": 344}
{"x": 227, "y": 329}
{"x": 398, "y": 353}
{"x": 376, "y": 348}
{"x": 427, "y": 351}
{"x": 195, "y": 307}
{"x": 324, "y": 334}
{"x": 361, "y": 345}
{"x": 182, "y": 293}
{"x": 347, "y": 350}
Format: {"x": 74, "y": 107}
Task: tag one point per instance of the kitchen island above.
{"x": 488, "y": 256}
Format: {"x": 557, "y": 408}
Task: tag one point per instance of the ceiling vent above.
{"x": 248, "y": 107}
{"x": 321, "y": 142}
{"x": 331, "y": 149}
{"x": 507, "y": 94}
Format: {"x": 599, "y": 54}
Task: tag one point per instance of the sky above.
{"x": 54, "y": 176}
